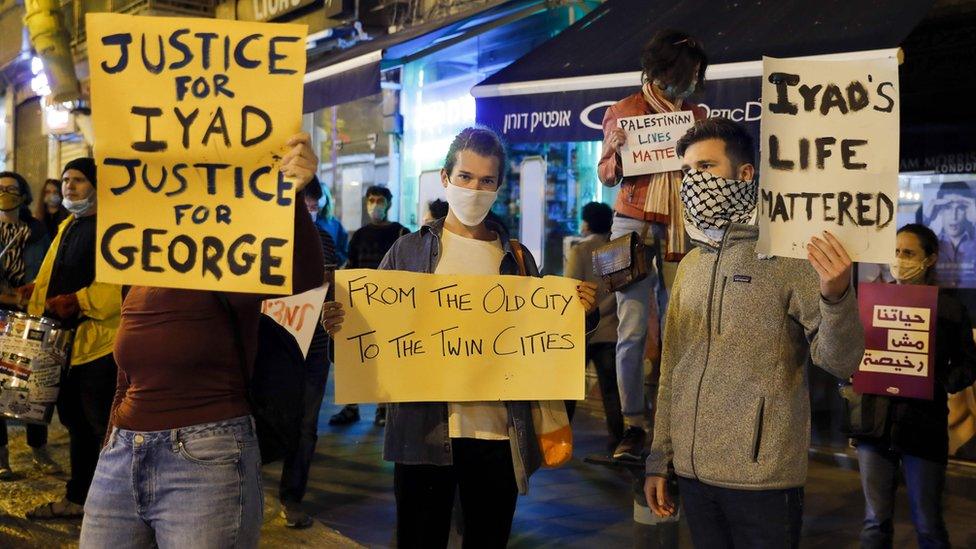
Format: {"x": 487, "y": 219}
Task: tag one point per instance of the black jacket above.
{"x": 920, "y": 427}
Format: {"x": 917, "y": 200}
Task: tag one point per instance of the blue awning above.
{"x": 342, "y": 82}
{"x": 560, "y": 90}
{"x": 336, "y": 77}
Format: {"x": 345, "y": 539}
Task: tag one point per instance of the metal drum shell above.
{"x": 17, "y": 356}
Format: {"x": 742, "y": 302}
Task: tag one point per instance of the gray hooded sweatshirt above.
{"x": 733, "y": 408}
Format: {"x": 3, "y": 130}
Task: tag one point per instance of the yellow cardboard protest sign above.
{"x": 410, "y": 337}
{"x": 191, "y": 117}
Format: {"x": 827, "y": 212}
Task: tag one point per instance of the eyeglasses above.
{"x": 10, "y": 190}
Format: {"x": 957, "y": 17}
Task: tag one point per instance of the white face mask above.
{"x": 470, "y": 206}
{"x": 80, "y": 208}
{"x": 907, "y": 270}
{"x": 376, "y": 212}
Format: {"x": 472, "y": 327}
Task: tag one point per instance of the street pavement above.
{"x": 581, "y": 505}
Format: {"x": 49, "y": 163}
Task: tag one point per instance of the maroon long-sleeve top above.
{"x": 176, "y": 351}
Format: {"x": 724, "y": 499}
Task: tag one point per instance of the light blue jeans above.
{"x": 633, "y": 305}
{"x": 193, "y": 487}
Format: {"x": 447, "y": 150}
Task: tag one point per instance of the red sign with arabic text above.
{"x": 899, "y": 340}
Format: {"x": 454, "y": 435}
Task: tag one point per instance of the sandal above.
{"x": 63, "y": 509}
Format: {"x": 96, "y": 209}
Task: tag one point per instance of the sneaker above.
{"x": 380, "y": 419}
{"x": 44, "y": 463}
{"x": 296, "y": 517}
{"x": 631, "y": 448}
{"x": 348, "y": 414}
{"x": 6, "y": 473}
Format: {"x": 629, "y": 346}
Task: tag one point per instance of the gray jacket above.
{"x": 417, "y": 432}
{"x": 733, "y": 407}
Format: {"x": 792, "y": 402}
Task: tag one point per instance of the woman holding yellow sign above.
{"x": 181, "y": 466}
{"x": 483, "y": 450}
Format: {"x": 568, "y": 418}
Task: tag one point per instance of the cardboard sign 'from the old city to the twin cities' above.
{"x": 191, "y": 117}
{"x": 410, "y": 337}
{"x": 829, "y": 156}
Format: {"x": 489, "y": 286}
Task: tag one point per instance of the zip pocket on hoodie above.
{"x": 721, "y": 301}
{"x": 757, "y": 430}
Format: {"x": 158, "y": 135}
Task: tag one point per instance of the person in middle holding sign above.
{"x": 673, "y": 65}
{"x": 485, "y": 451}
{"x": 733, "y": 409}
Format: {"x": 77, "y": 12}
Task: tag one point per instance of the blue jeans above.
{"x": 633, "y": 304}
{"x": 757, "y": 519}
{"x": 194, "y": 487}
{"x": 925, "y": 480}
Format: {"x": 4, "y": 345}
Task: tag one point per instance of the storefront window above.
{"x": 571, "y": 183}
{"x": 436, "y": 105}
{"x": 946, "y": 203}
{"x": 354, "y": 132}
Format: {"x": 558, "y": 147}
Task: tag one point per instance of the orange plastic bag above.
{"x": 553, "y": 431}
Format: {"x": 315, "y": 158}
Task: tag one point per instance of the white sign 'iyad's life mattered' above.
{"x": 829, "y": 156}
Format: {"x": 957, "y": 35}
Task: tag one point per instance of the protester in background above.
{"x": 367, "y": 247}
{"x": 915, "y": 431}
{"x": 733, "y": 408}
{"x": 66, "y": 290}
{"x": 370, "y": 243}
{"x": 23, "y": 243}
{"x": 601, "y": 345}
{"x": 181, "y": 467}
{"x": 327, "y": 221}
{"x": 673, "y": 65}
{"x": 295, "y": 467}
{"x": 955, "y": 207}
{"x": 442, "y": 448}
{"x": 50, "y": 209}
{"x": 436, "y": 209}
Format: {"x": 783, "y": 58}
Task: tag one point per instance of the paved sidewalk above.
{"x": 582, "y": 505}
{"x": 578, "y": 506}
{"x": 31, "y": 488}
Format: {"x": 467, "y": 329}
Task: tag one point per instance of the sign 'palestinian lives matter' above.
{"x": 829, "y": 156}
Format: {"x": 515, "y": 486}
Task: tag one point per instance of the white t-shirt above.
{"x": 468, "y": 256}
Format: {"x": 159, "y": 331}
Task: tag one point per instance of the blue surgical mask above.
{"x": 672, "y": 91}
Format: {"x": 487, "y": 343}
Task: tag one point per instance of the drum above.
{"x": 33, "y": 357}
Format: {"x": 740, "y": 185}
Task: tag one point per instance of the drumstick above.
{"x": 6, "y": 248}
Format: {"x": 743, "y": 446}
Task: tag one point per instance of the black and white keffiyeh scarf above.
{"x": 713, "y": 202}
{"x": 13, "y": 240}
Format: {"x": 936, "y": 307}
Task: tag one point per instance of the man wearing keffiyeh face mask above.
{"x": 732, "y": 413}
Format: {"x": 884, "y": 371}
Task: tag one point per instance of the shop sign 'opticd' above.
{"x": 829, "y": 156}
{"x": 410, "y": 337}
{"x": 899, "y": 339}
{"x": 188, "y": 145}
